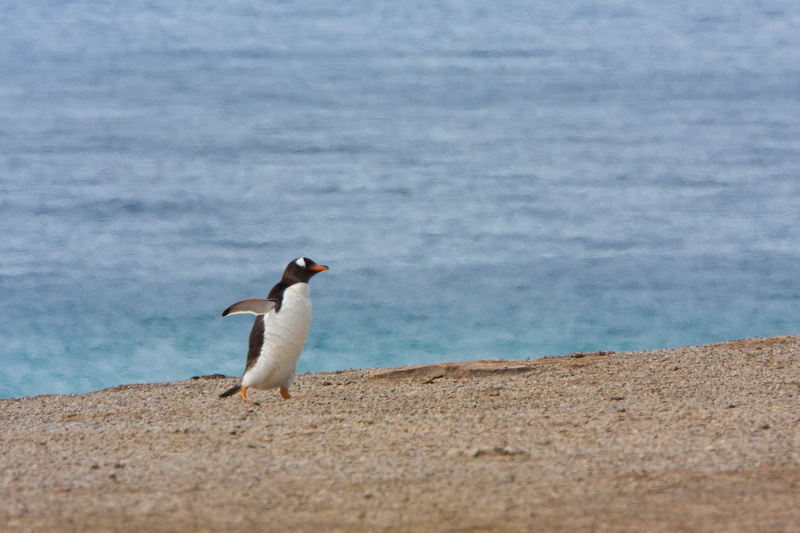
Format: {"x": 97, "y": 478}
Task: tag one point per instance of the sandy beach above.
{"x": 691, "y": 439}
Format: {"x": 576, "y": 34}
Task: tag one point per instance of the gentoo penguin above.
{"x": 279, "y": 332}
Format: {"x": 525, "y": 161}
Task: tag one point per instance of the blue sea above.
{"x": 507, "y": 179}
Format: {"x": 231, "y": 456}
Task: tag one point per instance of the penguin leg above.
{"x": 243, "y": 393}
{"x": 288, "y": 383}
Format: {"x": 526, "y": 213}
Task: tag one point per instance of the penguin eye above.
{"x": 301, "y": 263}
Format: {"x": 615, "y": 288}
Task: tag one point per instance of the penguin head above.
{"x": 301, "y": 270}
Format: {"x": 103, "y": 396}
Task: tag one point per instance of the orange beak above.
{"x": 319, "y": 268}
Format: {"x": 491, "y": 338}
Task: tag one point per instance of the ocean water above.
{"x": 484, "y": 179}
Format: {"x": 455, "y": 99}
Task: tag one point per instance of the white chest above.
{"x": 284, "y": 337}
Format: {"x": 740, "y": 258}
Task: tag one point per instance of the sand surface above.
{"x": 692, "y": 439}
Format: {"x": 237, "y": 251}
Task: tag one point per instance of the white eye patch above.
{"x": 301, "y": 263}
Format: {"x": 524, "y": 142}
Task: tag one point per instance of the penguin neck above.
{"x": 278, "y": 291}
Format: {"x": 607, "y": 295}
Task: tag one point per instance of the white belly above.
{"x": 284, "y": 336}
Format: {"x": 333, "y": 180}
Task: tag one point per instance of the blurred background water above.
{"x": 503, "y": 179}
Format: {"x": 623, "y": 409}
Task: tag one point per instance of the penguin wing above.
{"x": 255, "y": 306}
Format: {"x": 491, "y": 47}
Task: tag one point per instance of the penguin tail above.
{"x": 231, "y": 391}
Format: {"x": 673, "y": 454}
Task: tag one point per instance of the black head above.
{"x": 301, "y": 270}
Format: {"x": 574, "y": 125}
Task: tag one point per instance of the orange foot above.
{"x": 285, "y": 394}
{"x": 243, "y": 393}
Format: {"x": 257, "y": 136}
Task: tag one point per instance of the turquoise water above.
{"x": 484, "y": 180}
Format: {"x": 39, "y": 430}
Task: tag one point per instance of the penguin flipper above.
{"x": 255, "y": 306}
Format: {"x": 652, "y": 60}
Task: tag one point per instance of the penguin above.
{"x": 279, "y": 332}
